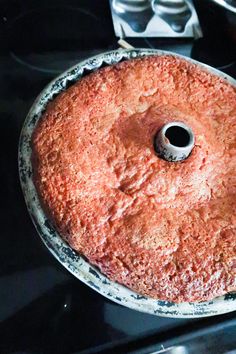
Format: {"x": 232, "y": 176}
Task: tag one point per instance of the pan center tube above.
{"x": 174, "y": 141}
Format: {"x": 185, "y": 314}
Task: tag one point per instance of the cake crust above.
{"x": 165, "y": 230}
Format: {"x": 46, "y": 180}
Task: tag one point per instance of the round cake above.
{"x": 163, "y": 229}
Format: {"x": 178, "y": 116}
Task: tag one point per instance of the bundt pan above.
{"x": 71, "y": 260}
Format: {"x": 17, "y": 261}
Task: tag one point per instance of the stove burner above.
{"x": 215, "y": 52}
{"x": 55, "y": 38}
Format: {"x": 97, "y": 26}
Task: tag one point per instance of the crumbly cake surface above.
{"x": 165, "y": 230}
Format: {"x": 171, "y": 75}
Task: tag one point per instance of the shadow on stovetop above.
{"x": 67, "y": 320}
{"x": 58, "y": 322}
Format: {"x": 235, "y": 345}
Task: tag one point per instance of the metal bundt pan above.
{"x": 71, "y": 260}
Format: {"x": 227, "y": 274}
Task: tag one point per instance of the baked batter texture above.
{"x": 164, "y": 229}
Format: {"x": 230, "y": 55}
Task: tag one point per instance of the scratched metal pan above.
{"x": 71, "y": 260}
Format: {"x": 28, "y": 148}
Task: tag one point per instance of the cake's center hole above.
{"x": 177, "y": 136}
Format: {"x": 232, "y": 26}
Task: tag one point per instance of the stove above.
{"x": 43, "y": 308}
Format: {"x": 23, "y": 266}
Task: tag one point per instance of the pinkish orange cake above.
{"x": 163, "y": 229}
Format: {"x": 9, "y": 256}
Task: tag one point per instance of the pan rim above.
{"x": 71, "y": 260}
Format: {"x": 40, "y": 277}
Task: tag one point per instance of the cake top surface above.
{"x": 166, "y": 230}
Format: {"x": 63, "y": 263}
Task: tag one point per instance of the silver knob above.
{"x": 174, "y": 12}
{"x": 122, "y": 6}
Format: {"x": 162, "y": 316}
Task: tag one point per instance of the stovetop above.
{"x": 43, "y": 308}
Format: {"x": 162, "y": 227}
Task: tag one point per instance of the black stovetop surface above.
{"x": 43, "y": 308}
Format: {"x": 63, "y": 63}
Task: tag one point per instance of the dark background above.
{"x": 43, "y": 308}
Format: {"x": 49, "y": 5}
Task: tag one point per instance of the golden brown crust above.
{"x": 166, "y": 230}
